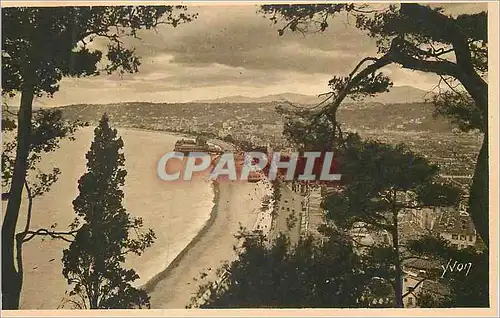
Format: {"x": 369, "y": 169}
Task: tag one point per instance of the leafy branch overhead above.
{"x": 411, "y": 35}
{"x": 415, "y": 37}
{"x": 42, "y": 45}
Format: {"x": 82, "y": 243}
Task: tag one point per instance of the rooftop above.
{"x": 455, "y": 222}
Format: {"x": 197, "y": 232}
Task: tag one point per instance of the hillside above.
{"x": 396, "y": 95}
{"x": 258, "y": 123}
{"x": 366, "y": 116}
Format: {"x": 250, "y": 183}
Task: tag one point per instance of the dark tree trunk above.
{"x": 479, "y": 193}
{"x": 398, "y": 281}
{"x": 479, "y": 190}
{"x": 399, "y": 285}
{"x": 11, "y": 280}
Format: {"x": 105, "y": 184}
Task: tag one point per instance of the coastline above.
{"x": 151, "y": 284}
{"x": 171, "y": 281}
{"x": 238, "y": 206}
{"x": 191, "y": 209}
{"x": 167, "y": 132}
{"x": 235, "y": 205}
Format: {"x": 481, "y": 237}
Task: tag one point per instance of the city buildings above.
{"x": 457, "y": 228}
{"x": 300, "y": 209}
{"x": 188, "y": 145}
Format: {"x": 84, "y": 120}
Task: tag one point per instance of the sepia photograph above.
{"x": 249, "y": 155}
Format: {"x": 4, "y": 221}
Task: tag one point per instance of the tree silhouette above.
{"x": 93, "y": 262}
{"x": 415, "y": 37}
{"x": 42, "y": 45}
{"x": 47, "y": 130}
{"x": 384, "y": 182}
{"x": 279, "y": 275}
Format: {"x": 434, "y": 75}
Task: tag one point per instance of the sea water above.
{"x": 176, "y": 212}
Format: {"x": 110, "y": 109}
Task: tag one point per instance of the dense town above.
{"x": 260, "y": 124}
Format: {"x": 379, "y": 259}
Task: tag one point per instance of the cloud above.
{"x": 242, "y": 38}
{"x": 233, "y": 50}
{"x": 455, "y": 9}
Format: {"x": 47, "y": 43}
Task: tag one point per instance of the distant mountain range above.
{"x": 396, "y": 95}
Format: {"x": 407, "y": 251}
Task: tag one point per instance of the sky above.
{"x": 232, "y": 50}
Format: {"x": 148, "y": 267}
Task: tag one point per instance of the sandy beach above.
{"x": 239, "y": 204}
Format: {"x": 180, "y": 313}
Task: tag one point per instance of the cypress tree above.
{"x": 93, "y": 263}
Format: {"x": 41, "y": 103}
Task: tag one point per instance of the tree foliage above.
{"x": 276, "y": 274}
{"x": 384, "y": 182}
{"x": 93, "y": 263}
{"x": 382, "y": 178}
{"x": 464, "y": 290}
{"x": 40, "y": 46}
{"x": 460, "y": 108}
{"x": 47, "y": 129}
{"x": 416, "y": 37}
{"x": 310, "y": 132}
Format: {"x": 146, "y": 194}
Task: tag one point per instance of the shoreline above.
{"x": 151, "y": 284}
{"x": 156, "y": 284}
{"x": 238, "y": 207}
{"x": 161, "y": 131}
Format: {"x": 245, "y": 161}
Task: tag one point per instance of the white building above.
{"x": 457, "y": 228}
{"x": 412, "y": 288}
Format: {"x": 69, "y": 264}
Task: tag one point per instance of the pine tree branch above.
{"x": 23, "y": 236}
{"x": 438, "y": 52}
{"x": 53, "y": 234}
{"x": 356, "y": 68}
{"x": 377, "y": 64}
{"x": 399, "y": 55}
